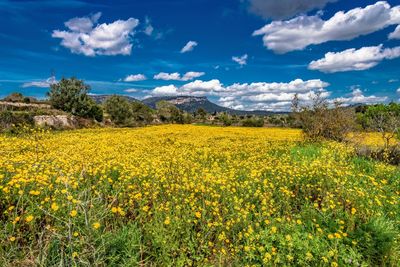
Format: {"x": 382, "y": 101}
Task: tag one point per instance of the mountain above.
{"x": 186, "y": 103}
{"x": 193, "y": 103}
{"x": 102, "y": 98}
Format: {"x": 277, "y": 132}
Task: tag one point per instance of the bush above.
{"x": 384, "y": 119}
{"x": 10, "y": 119}
{"x": 119, "y": 109}
{"x": 319, "y": 121}
{"x": 253, "y": 122}
{"x": 71, "y": 95}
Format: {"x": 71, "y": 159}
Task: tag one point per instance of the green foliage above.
{"x": 9, "y": 119}
{"x": 71, "y": 95}
{"x": 168, "y": 112}
{"x": 141, "y": 113}
{"x": 377, "y": 240}
{"x": 225, "y": 118}
{"x": 119, "y": 109}
{"x": 253, "y": 122}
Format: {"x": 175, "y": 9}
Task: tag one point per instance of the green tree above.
{"x": 141, "y": 113}
{"x": 168, "y": 112}
{"x": 119, "y": 109}
{"x": 71, "y": 95}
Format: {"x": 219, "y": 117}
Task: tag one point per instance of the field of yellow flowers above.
{"x": 193, "y": 196}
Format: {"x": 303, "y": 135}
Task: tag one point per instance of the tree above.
{"x": 119, "y": 109}
{"x": 168, "y": 112}
{"x": 71, "y": 95}
{"x": 141, "y": 113}
{"x": 322, "y": 121}
{"x": 225, "y": 119}
{"x": 201, "y": 113}
{"x": 384, "y": 119}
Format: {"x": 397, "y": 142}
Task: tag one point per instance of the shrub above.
{"x": 71, "y": 95}
{"x": 119, "y": 109}
{"x": 320, "y": 121}
{"x": 384, "y": 119}
{"x": 253, "y": 122}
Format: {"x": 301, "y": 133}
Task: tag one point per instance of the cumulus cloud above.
{"x": 241, "y": 60}
{"x": 354, "y": 59}
{"x": 42, "y": 84}
{"x": 167, "y": 90}
{"x": 302, "y": 31}
{"x": 261, "y": 95}
{"x": 357, "y": 97}
{"x": 85, "y": 36}
{"x": 135, "y": 78}
{"x": 395, "y": 34}
{"x": 189, "y": 46}
{"x": 283, "y": 9}
{"x": 190, "y": 75}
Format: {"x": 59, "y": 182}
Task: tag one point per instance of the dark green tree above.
{"x": 119, "y": 109}
{"x": 71, "y": 95}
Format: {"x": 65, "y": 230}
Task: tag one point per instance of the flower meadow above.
{"x": 177, "y": 195}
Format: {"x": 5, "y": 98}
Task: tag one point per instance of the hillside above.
{"x": 192, "y": 103}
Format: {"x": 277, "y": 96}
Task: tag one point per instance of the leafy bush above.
{"x": 71, "y": 95}
{"x": 119, "y": 109}
{"x": 253, "y": 122}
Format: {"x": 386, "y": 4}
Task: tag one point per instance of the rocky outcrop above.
{"x": 56, "y": 121}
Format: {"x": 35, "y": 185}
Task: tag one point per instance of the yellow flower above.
{"x": 167, "y": 221}
{"x": 74, "y": 254}
{"x": 273, "y": 229}
{"x": 353, "y": 210}
{"x": 96, "y": 225}
{"x": 114, "y": 209}
{"x": 75, "y": 234}
{"x": 54, "y": 206}
{"x": 12, "y": 238}
{"x": 29, "y": 218}
{"x": 198, "y": 215}
{"x": 73, "y": 213}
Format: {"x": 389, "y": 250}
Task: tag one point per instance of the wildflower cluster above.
{"x": 194, "y": 195}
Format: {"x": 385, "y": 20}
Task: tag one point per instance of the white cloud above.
{"x": 357, "y": 97}
{"x": 189, "y": 46}
{"x": 190, "y": 75}
{"x": 241, "y": 60}
{"x": 262, "y": 95}
{"x": 395, "y": 34}
{"x": 165, "y": 90}
{"x": 354, "y": 59}
{"x": 42, "y": 84}
{"x": 398, "y": 90}
{"x": 302, "y": 31}
{"x": 85, "y": 36}
{"x": 130, "y": 90}
{"x": 393, "y": 80}
{"x": 282, "y": 9}
{"x": 135, "y": 78}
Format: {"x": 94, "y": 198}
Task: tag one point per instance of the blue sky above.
{"x": 245, "y": 54}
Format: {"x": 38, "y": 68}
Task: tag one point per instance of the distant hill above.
{"x": 102, "y": 98}
{"x": 193, "y": 103}
{"x": 187, "y": 103}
